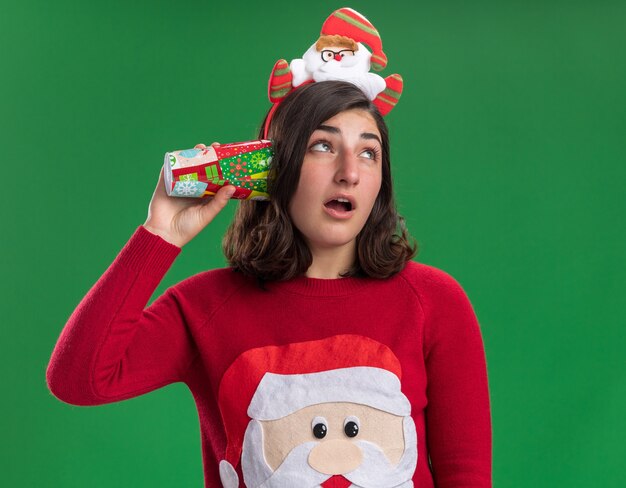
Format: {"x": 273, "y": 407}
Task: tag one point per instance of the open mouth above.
{"x": 339, "y": 205}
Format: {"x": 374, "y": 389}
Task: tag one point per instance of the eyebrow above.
{"x": 336, "y": 130}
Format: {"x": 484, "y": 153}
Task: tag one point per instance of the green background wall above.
{"x": 508, "y": 152}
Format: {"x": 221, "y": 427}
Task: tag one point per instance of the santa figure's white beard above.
{"x": 354, "y": 69}
{"x": 349, "y": 67}
{"x": 375, "y": 471}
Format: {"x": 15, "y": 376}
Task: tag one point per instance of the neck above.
{"x": 329, "y": 263}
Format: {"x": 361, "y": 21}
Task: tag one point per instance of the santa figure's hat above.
{"x": 349, "y": 23}
{"x": 272, "y": 382}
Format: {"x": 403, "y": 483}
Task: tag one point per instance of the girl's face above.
{"x": 339, "y": 181}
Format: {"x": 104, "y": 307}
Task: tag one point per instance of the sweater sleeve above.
{"x": 112, "y": 347}
{"x": 458, "y": 420}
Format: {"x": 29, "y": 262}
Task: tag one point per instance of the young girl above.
{"x": 323, "y": 356}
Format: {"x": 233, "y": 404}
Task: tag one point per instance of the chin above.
{"x": 330, "y": 239}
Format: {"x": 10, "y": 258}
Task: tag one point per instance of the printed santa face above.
{"x": 323, "y": 444}
{"x": 338, "y": 58}
{"x": 328, "y": 413}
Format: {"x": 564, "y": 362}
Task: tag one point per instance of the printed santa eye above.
{"x": 351, "y": 426}
{"x": 320, "y": 427}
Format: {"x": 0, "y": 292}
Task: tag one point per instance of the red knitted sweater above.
{"x": 221, "y": 334}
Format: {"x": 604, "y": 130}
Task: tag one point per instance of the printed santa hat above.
{"x": 274, "y": 381}
{"x": 349, "y": 23}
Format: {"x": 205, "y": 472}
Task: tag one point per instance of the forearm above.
{"x": 88, "y": 355}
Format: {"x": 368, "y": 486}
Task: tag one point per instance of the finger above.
{"x": 160, "y": 187}
{"x": 218, "y": 202}
{"x": 225, "y": 193}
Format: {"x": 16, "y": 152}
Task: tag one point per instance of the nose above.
{"x": 347, "y": 172}
{"x": 335, "y": 457}
{"x": 338, "y": 57}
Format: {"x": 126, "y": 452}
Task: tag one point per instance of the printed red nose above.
{"x": 336, "y": 481}
{"x": 338, "y": 57}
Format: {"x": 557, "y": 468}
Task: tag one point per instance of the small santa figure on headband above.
{"x": 328, "y": 413}
{"x": 340, "y": 54}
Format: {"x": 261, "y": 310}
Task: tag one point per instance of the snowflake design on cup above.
{"x": 258, "y": 158}
{"x": 238, "y": 168}
{"x": 189, "y": 188}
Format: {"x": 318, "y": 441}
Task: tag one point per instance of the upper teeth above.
{"x": 344, "y": 200}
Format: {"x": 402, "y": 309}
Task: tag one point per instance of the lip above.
{"x": 345, "y": 196}
{"x": 340, "y": 215}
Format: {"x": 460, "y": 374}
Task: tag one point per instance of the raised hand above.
{"x": 178, "y": 220}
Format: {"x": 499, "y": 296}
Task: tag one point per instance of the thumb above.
{"x": 225, "y": 193}
{"x": 218, "y": 202}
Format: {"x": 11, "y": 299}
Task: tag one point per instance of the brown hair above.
{"x": 262, "y": 240}
{"x": 335, "y": 41}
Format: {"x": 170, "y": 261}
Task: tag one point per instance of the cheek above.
{"x": 280, "y": 437}
{"x": 374, "y": 194}
{"x": 374, "y": 189}
{"x": 299, "y": 206}
{"x": 306, "y": 193}
{"x": 312, "y": 60}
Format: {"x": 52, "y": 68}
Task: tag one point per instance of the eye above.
{"x": 351, "y": 426}
{"x": 370, "y": 154}
{"x": 320, "y": 427}
{"x": 327, "y": 55}
{"x": 321, "y": 146}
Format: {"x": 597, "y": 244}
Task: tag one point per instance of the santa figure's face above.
{"x": 362, "y": 446}
{"x": 333, "y": 58}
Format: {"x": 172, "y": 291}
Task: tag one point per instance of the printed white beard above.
{"x": 294, "y": 471}
{"x": 374, "y": 472}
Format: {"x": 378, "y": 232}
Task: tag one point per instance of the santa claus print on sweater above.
{"x": 328, "y": 413}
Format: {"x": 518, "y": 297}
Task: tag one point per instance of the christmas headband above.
{"x": 339, "y": 54}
